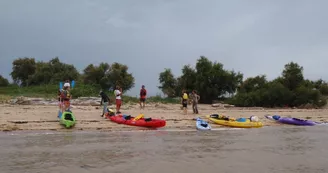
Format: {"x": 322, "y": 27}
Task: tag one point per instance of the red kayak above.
{"x": 142, "y": 122}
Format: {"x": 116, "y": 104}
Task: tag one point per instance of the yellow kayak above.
{"x": 247, "y": 123}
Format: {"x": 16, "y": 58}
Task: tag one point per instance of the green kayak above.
{"x": 67, "y": 119}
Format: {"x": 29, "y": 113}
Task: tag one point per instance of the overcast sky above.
{"x": 251, "y": 36}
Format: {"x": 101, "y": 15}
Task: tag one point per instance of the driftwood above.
{"x": 222, "y": 105}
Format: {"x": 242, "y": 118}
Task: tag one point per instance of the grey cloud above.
{"x": 254, "y": 37}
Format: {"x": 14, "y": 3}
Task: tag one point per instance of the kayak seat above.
{"x": 127, "y": 117}
{"x": 111, "y": 114}
{"x": 214, "y": 116}
{"x": 69, "y": 117}
{"x": 148, "y": 119}
{"x": 297, "y": 119}
{"x": 204, "y": 125}
{"x": 241, "y": 120}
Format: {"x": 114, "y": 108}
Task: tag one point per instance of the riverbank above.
{"x": 44, "y": 117}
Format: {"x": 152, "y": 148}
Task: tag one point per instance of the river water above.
{"x": 265, "y": 150}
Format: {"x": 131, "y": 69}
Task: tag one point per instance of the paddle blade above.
{"x": 59, "y": 114}
{"x": 139, "y": 116}
{"x": 60, "y": 85}
{"x": 73, "y": 83}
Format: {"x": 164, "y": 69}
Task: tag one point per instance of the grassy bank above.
{"x": 50, "y": 91}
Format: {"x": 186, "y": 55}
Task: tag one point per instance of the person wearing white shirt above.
{"x": 118, "y": 94}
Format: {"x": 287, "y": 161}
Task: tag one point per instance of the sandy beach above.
{"x": 44, "y": 117}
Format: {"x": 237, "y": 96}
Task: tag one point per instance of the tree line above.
{"x": 29, "y": 72}
{"x": 213, "y": 82}
{"x": 209, "y": 79}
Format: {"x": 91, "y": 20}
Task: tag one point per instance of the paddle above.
{"x": 60, "y": 85}
{"x": 73, "y": 83}
{"x": 138, "y": 117}
{"x": 59, "y": 102}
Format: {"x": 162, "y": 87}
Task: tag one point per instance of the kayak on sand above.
{"x": 67, "y": 119}
{"x": 251, "y": 122}
{"x": 292, "y": 121}
{"x": 136, "y": 121}
{"x": 202, "y": 125}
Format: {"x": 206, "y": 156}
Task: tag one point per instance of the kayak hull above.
{"x": 292, "y": 121}
{"x": 67, "y": 119}
{"x": 202, "y": 125}
{"x": 234, "y": 123}
{"x": 142, "y": 122}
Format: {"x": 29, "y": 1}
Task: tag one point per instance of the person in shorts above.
{"x": 104, "y": 102}
{"x": 184, "y": 101}
{"x": 143, "y": 94}
{"x": 195, "y": 99}
{"x": 118, "y": 98}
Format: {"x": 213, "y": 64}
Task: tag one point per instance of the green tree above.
{"x": 292, "y": 75}
{"x": 108, "y": 76}
{"x": 22, "y": 69}
{"x": 53, "y": 72}
{"x": 118, "y": 75}
{"x": 253, "y": 84}
{"x": 3, "y": 81}
{"x": 96, "y": 74}
{"x": 276, "y": 95}
{"x": 304, "y": 95}
{"x": 212, "y": 81}
{"x": 324, "y": 89}
{"x": 187, "y": 80}
{"x": 322, "y": 86}
{"x": 234, "y": 80}
{"x": 168, "y": 83}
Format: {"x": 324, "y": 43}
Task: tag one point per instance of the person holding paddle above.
{"x": 66, "y": 97}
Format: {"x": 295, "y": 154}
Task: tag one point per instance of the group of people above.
{"x": 186, "y": 98}
{"x": 193, "y": 97}
{"x": 64, "y": 97}
{"x": 118, "y": 99}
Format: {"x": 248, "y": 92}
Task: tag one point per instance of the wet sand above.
{"x": 35, "y": 117}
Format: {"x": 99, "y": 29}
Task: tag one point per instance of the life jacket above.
{"x": 65, "y": 94}
{"x": 185, "y": 96}
{"x": 143, "y": 92}
{"x": 59, "y": 92}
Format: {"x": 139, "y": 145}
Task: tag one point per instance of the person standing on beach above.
{"x": 143, "y": 94}
{"x": 104, "y": 102}
{"x": 184, "y": 101}
{"x": 195, "y": 99}
{"x": 118, "y": 94}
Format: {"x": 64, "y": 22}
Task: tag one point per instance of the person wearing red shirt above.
{"x": 143, "y": 94}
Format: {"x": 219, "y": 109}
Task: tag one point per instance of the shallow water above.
{"x": 266, "y": 150}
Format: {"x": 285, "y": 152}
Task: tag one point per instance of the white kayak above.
{"x": 202, "y": 125}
